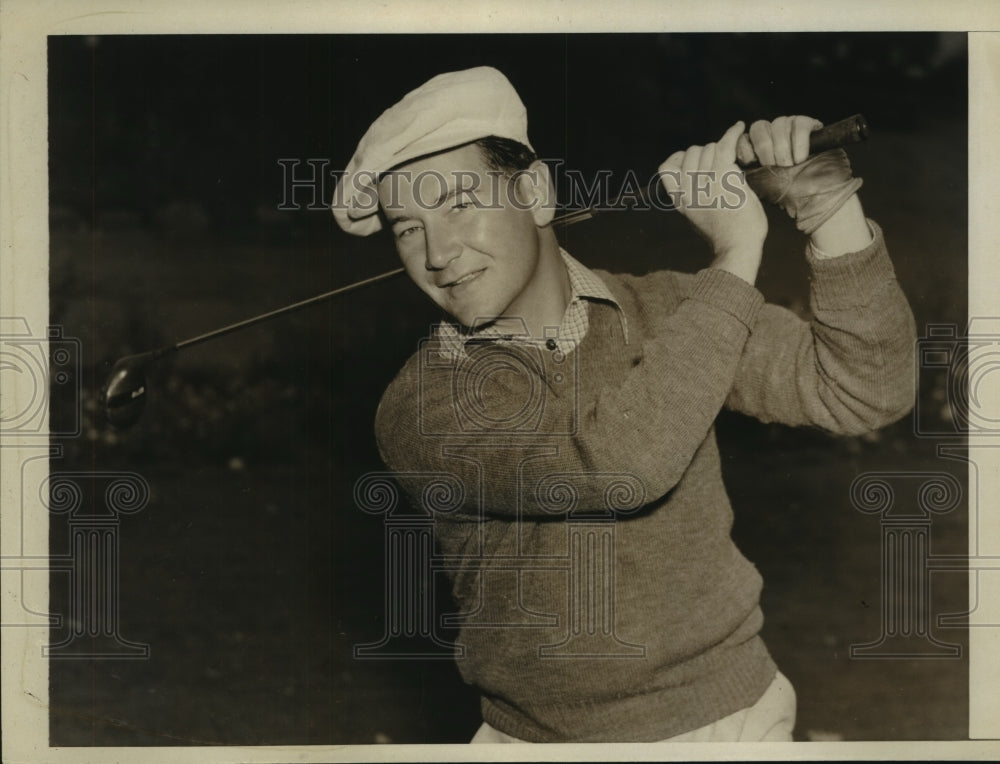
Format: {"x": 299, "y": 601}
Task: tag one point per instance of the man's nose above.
{"x": 442, "y": 247}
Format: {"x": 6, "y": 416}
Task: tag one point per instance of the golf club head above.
{"x": 123, "y": 396}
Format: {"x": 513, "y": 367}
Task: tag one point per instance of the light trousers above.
{"x": 770, "y": 719}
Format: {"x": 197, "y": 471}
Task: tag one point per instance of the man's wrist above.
{"x": 847, "y": 230}
{"x": 742, "y": 262}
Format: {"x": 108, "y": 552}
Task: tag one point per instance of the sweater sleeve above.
{"x": 645, "y": 421}
{"x": 850, "y": 369}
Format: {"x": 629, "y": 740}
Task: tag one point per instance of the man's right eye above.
{"x": 407, "y": 231}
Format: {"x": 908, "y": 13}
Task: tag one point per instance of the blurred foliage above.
{"x": 182, "y": 132}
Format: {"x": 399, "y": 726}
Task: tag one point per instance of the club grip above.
{"x": 839, "y": 134}
{"x": 854, "y": 129}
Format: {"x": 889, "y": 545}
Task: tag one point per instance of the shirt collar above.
{"x": 585, "y": 286}
{"x": 585, "y": 283}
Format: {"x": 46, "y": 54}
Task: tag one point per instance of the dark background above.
{"x": 251, "y": 573}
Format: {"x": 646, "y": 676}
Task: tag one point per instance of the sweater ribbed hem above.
{"x": 737, "y": 680}
{"x": 854, "y": 279}
{"x": 729, "y": 293}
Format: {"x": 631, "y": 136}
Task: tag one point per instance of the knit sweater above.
{"x": 601, "y": 597}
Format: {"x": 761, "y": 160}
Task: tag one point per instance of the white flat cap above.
{"x": 447, "y": 111}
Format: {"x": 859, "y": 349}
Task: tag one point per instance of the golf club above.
{"x": 123, "y": 396}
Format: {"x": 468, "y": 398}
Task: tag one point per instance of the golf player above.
{"x": 558, "y": 395}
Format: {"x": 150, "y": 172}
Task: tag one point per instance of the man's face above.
{"x": 464, "y": 236}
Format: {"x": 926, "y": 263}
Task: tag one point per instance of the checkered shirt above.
{"x": 584, "y": 286}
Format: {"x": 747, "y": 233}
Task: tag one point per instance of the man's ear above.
{"x": 537, "y": 192}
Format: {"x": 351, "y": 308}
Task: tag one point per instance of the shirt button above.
{"x": 551, "y": 344}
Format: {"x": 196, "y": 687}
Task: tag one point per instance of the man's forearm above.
{"x": 850, "y": 370}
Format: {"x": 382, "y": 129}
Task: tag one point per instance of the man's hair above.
{"x": 505, "y": 155}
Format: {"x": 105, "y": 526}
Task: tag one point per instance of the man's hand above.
{"x": 783, "y": 142}
{"x": 709, "y": 190}
{"x": 818, "y": 192}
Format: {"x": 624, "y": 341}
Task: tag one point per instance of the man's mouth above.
{"x": 464, "y": 279}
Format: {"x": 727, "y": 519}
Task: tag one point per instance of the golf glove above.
{"x": 811, "y": 191}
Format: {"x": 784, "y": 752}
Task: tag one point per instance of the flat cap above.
{"x": 447, "y": 111}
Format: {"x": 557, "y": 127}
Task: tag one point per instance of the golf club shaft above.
{"x": 282, "y": 311}
{"x": 851, "y": 130}
{"x": 567, "y": 219}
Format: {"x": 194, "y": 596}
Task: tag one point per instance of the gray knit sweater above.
{"x": 601, "y": 597}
